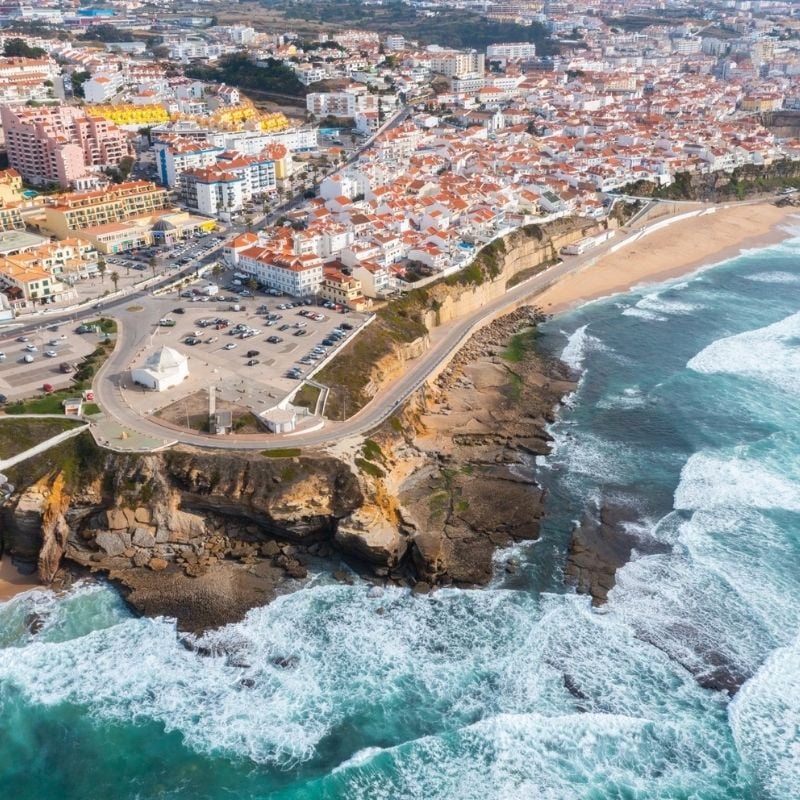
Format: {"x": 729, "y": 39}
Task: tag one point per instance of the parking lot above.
{"x": 255, "y": 355}
{"x": 53, "y": 345}
{"x": 169, "y": 257}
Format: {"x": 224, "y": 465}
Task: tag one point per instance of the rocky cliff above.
{"x": 204, "y": 536}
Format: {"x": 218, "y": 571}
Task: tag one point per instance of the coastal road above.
{"x": 444, "y": 341}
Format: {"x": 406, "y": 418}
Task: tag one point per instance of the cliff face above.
{"x": 200, "y": 536}
{"x": 205, "y": 536}
{"x": 452, "y": 477}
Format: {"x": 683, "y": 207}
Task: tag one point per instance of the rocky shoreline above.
{"x": 427, "y": 501}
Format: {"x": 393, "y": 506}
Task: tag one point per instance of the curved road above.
{"x": 446, "y": 340}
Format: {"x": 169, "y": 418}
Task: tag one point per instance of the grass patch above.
{"x": 520, "y": 345}
{"x": 80, "y": 459}
{"x": 369, "y": 468}
{"x": 18, "y": 435}
{"x": 306, "y": 397}
{"x": 396, "y": 424}
{"x": 288, "y": 473}
{"x": 372, "y": 451}
{"x": 282, "y": 452}
{"x": 90, "y": 408}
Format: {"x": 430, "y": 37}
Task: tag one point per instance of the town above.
{"x": 156, "y": 152}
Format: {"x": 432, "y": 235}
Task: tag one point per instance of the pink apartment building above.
{"x": 60, "y": 144}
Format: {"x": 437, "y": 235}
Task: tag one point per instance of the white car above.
{"x": 28, "y": 358}
{"x": 2, "y": 356}
{"x": 50, "y": 353}
{"x": 31, "y": 348}
{"x": 230, "y": 345}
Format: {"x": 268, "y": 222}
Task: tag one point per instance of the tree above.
{"x": 248, "y": 223}
{"x": 217, "y": 270}
{"x": 20, "y": 48}
{"x": 114, "y": 279}
{"x": 252, "y": 284}
{"x": 125, "y": 166}
{"x": 152, "y": 263}
{"x": 34, "y": 298}
{"x": 78, "y": 79}
{"x": 101, "y": 268}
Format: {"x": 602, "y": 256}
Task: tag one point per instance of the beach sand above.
{"x": 674, "y": 250}
{"x": 12, "y": 581}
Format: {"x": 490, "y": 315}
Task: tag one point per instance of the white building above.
{"x": 347, "y": 103}
{"x": 101, "y": 88}
{"x": 510, "y": 51}
{"x": 294, "y": 275}
{"x": 176, "y": 156}
{"x": 162, "y": 370}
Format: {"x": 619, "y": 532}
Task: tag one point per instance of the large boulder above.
{"x": 144, "y": 537}
{"x": 111, "y": 543}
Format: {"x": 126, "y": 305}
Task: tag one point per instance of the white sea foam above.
{"x": 657, "y": 304}
{"x": 775, "y": 276}
{"x": 631, "y": 397}
{"x": 643, "y": 313}
{"x": 770, "y": 354}
{"x": 765, "y": 720}
{"x": 575, "y": 349}
{"x": 713, "y": 480}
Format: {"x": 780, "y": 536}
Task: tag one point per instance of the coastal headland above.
{"x": 425, "y": 500}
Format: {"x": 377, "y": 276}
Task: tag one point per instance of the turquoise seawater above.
{"x": 688, "y": 412}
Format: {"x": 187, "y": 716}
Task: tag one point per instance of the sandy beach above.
{"x": 674, "y": 250}
{"x": 13, "y": 582}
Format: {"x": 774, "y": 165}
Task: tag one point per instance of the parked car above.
{"x": 3, "y": 399}
{"x": 27, "y": 358}
{"x": 66, "y": 367}
{"x": 22, "y": 339}
{"x": 230, "y": 345}
{"x": 252, "y": 362}
{"x": 179, "y": 310}
{"x": 252, "y": 353}
{"x": 31, "y": 348}
{"x": 51, "y": 353}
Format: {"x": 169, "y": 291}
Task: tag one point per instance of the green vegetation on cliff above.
{"x": 236, "y": 69}
{"x": 19, "y": 435}
{"x": 738, "y": 184}
{"x": 402, "y": 321}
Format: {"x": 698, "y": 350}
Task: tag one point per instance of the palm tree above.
{"x": 101, "y": 268}
{"x": 217, "y": 270}
{"x": 248, "y": 223}
{"x": 252, "y": 284}
{"x": 152, "y": 262}
{"x": 114, "y": 279}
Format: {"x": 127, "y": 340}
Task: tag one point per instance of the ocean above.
{"x": 687, "y": 414}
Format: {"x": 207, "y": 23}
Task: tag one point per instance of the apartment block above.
{"x": 455, "y": 63}
{"x": 347, "y": 103}
{"x": 79, "y": 210}
{"x": 288, "y": 273}
{"x": 175, "y": 156}
{"x": 223, "y": 189}
{"x": 60, "y": 144}
{"x": 511, "y": 51}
